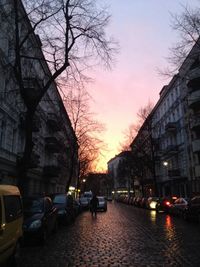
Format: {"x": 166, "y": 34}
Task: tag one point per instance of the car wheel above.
{"x": 105, "y": 209}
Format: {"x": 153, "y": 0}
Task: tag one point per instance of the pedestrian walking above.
{"x": 94, "y": 202}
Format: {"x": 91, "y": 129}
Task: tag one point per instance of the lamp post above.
{"x": 84, "y": 183}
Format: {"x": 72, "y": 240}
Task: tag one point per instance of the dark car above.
{"x": 40, "y": 218}
{"x": 77, "y": 207}
{"x": 65, "y": 206}
{"x": 164, "y": 204}
{"x": 102, "y": 203}
{"x": 84, "y": 203}
{"x": 179, "y": 207}
{"x": 192, "y": 212}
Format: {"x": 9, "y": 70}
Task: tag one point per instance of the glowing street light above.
{"x": 165, "y": 163}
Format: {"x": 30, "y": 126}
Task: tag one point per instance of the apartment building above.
{"x": 53, "y": 154}
{"x": 120, "y": 174}
{"x": 169, "y": 137}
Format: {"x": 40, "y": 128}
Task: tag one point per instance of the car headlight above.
{"x": 35, "y": 224}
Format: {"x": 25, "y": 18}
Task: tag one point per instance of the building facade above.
{"x": 53, "y": 153}
{"x": 169, "y": 138}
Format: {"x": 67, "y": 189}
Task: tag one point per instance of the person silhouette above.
{"x": 94, "y": 202}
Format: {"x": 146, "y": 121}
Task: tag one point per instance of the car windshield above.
{"x": 101, "y": 199}
{"x": 88, "y": 195}
{"x": 59, "y": 199}
{"x": 33, "y": 205}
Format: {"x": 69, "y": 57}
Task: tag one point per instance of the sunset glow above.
{"x": 143, "y": 31}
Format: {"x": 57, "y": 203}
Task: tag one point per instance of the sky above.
{"x": 144, "y": 33}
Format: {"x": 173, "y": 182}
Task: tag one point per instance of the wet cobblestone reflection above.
{"x": 123, "y": 236}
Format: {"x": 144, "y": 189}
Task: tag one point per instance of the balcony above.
{"x": 196, "y": 146}
{"x": 171, "y": 127}
{"x": 174, "y": 173}
{"x": 194, "y": 83}
{"x": 52, "y": 144}
{"x": 36, "y": 122}
{"x": 53, "y": 122}
{"x": 195, "y": 122}
{"x": 7, "y": 155}
{"x": 35, "y": 160}
{"x": 194, "y": 100}
{"x": 171, "y": 149}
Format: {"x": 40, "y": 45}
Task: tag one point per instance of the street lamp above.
{"x": 165, "y": 163}
{"x": 84, "y": 182}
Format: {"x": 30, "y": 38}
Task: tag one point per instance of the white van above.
{"x": 11, "y": 218}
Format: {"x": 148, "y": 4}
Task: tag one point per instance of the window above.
{"x": 13, "y": 207}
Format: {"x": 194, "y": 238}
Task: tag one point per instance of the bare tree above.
{"x": 86, "y": 128}
{"x": 187, "y": 24}
{"x": 133, "y": 129}
{"x": 72, "y": 36}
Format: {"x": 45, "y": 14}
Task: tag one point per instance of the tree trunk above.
{"x": 71, "y": 170}
{"x": 23, "y": 163}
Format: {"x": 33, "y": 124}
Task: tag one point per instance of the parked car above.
{"x": 109, "y": 198}
{"x": 164, "y": 204}
{"x": 84, "y": 203}
{"x": 77, "y": 207}
{"x": 102, "y": 203}
{"x": 179, "y": 206}
{"x": 88, "y": 195}
{"x": 137, "y": 201}
{"x": 40, "y": 218}
{"x": 192, "y": 212}
{"x": 11, "y": 219}
{"x": 151, "y": 203}
{"x": 65, "y": 206}
{"x": 143, "y": 202}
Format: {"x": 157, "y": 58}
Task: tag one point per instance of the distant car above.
{"x": 102, "y": 203}
{"x": 88, "y": 195}
{"x": 109, "y": 198}
{"x": 151, "y": 203}
{"x": 65, "y": 206}
{"x": 164, "y": 204}
{"x": 192, "y": 212}
{"x": 179, "y": 207}
{"x": 84, "y": 203}
{"x": 40, "y": 218}
{"x": 11, "y": 218}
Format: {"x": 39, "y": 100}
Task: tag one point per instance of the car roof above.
{"x": 9, "y": 190}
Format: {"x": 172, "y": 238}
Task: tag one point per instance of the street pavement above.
{"x": 122, "y": 236}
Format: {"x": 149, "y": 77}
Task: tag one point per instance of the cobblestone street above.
{"x": 122, "y": 236}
